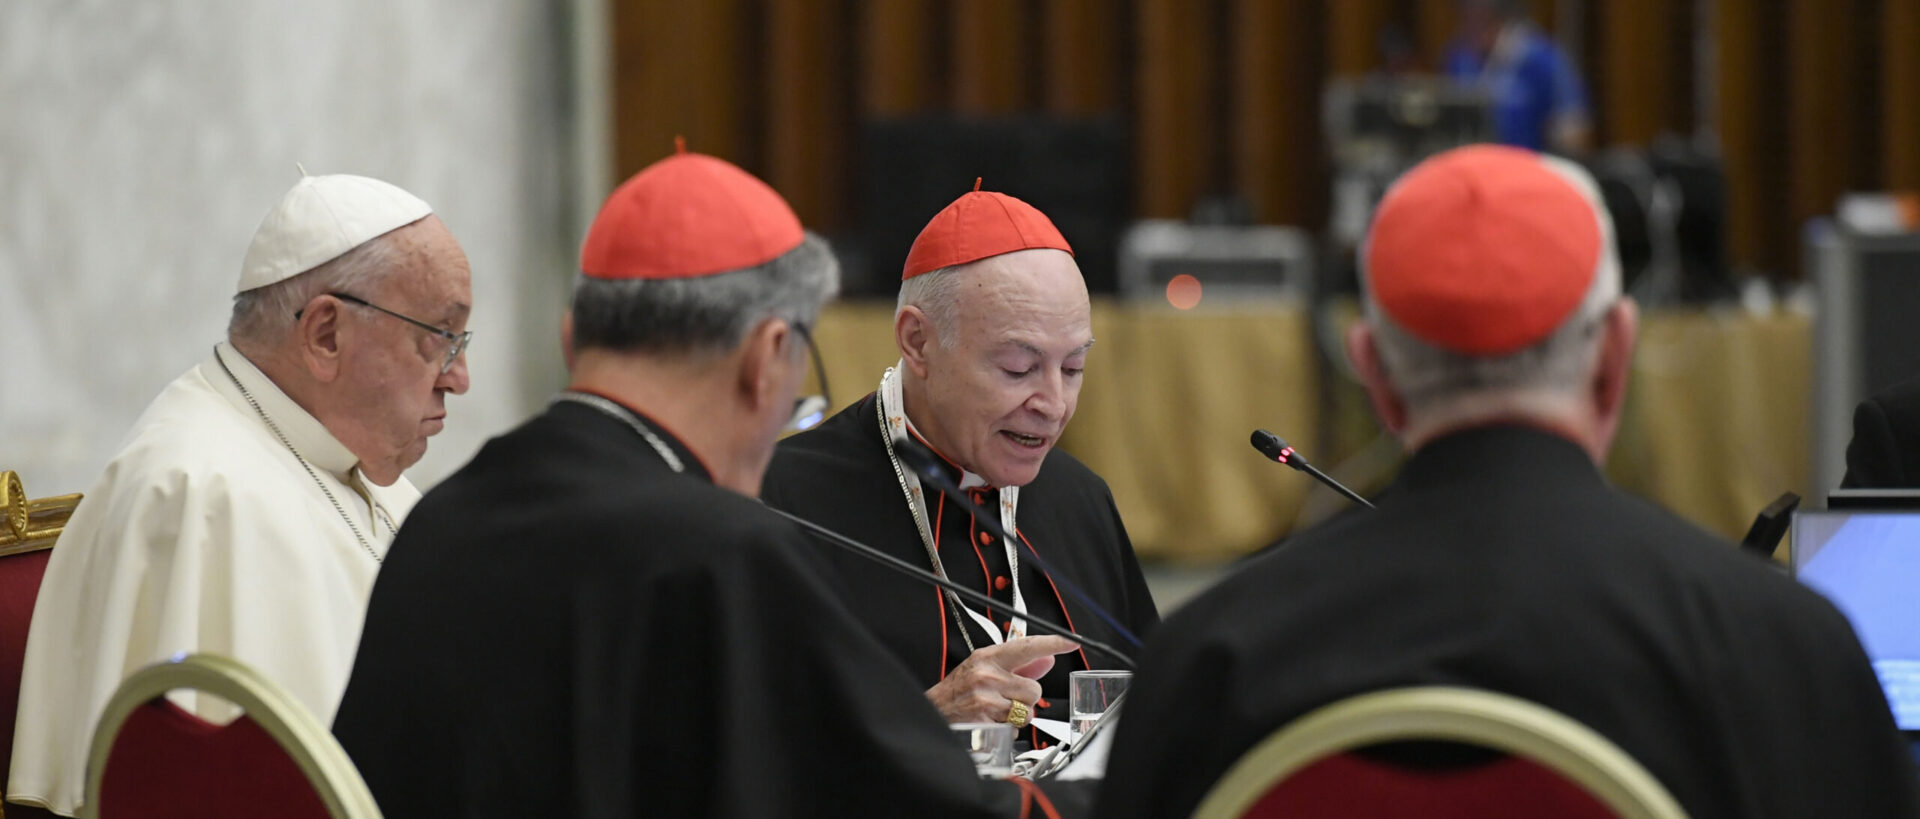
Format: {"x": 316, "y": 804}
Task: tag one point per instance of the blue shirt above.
{"x": 1529, "y": 80}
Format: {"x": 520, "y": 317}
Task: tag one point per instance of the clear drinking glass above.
{"x": 990, "y": 744}
{"x": 1089, "y": 694}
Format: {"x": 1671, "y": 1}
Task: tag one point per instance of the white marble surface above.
{"x": 143, "y": 140}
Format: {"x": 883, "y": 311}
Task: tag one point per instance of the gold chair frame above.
{"x": 312, "y": 748}
{"x": 1466, "y": 715}
{"x": 30, "y": 525}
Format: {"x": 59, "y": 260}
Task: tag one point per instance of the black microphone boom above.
{"x": 925, "y": 576}
{"x": 1276, "y": 449}
{"x": 925, "y": 465}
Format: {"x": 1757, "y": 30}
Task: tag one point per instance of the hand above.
{"x": 985, "y": 686}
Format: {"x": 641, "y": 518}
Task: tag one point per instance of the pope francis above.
{"x": 253, "y": 501}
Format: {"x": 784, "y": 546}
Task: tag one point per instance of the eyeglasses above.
{"x": 810, "y": 410}
{"x": 456, "y": 342}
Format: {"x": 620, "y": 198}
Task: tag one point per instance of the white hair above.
{"x": 262, "y": 316}
{"x": 1428, "y": 376}
{"x": 937, "y": 294}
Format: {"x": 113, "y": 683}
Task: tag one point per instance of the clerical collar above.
{"x": 893, "y": 422}
{"x": 968, "y": 480}
{"x": 304, "y": 433}
{"x": 1504, "y": 453}
{"x": 673, "y": 451}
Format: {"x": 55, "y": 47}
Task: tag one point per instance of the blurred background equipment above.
{"x": 1866, "y": 337}
{"x": 1378, "y": 126}
{"x": 1073, "y": 170}
{"x": 1234, "y": 264}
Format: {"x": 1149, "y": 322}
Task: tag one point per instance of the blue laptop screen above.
{"x": 1868, "y": 564}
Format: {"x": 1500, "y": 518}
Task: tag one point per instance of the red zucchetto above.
{"x": 1487, "y": 250}
{"x": 979, "y": 225}
{"x": 688, "y": 215}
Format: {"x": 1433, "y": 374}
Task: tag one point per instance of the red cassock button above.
{"x": 1000, "y": 583}
{"x": 986, "y": 539}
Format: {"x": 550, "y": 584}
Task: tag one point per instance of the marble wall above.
{"x": 143, "y": 140}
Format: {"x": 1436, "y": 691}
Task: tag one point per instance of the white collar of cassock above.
{"x": 968, "y": 480}
{"x": 308, "y": 436}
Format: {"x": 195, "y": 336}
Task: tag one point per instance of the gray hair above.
{"x": 704, "y": 314}
{"x": 263, "y": 315}
{"x": 1427, "y": 376}
{"x": 937, "y": 294}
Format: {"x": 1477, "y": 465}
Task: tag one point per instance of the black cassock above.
{"x": 566, "y": 627}
{"x": 1501, "y": 560}
{"x": 838, "y": 475}
{"x": 1884, "y": 452}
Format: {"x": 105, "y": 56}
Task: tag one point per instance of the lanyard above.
{"x": 893, "y": 424}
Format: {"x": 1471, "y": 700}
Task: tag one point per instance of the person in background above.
{"x": 1495, "y": 344}
{"x": 1884, "y": 452}
{"x": 1539, "y": 101}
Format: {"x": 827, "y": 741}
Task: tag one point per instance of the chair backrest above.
{"x": 1547, "y": 764}
{"x": 28, "y": 529}
{"x": 150, "y": 758}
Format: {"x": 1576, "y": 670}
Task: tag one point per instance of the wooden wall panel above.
{"x": 1279, "y": 70}
{"x": 808, "y": 113}
{"x": 1353, "y": 35}
{"x": 1809, "y": 97}
{"x": 1823, "y": 124}
{"x": 1175, "y": 128}
{"x": 1435, "y": 23}
{"x": 1751, "y": 132}
{"x": 1080, "y": 57}
{"x": 677, "y": 72}
{"x": 1642, "y": 60}
{"x": 1900, "y": 94}
{"x": 991, "y": 61}
{"x": 1544, "y": 12}
{"x": 896, "y": 56}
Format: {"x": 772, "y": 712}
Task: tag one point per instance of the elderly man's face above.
{"x": 1002, "y": 394}
{"x": 394, "y": 378}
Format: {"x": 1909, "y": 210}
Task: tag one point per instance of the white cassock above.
{"x": 207, "y": 533}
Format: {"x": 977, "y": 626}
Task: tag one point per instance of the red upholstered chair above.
{"x": 154, "y": 760}
{"x": 28, "y": 530}
{"x": 1546, "y": 764}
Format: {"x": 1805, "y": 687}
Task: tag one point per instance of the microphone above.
{"x": 1275, "y": 448}
{"x": 925, "y": 576}
{"x": 926, "y": 466}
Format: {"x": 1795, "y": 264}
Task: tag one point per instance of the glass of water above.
{"x": 990, "y": 744}
{"x": 1089, "y": 695}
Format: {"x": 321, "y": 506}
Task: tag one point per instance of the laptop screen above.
{"x": 1868, "y": 563}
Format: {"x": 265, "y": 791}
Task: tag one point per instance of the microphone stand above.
{"x": 1275, "y": 448}
{"x": 925, "y": 576}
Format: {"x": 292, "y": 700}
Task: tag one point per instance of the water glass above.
{"x": 1089, "y": 694}
{"x": 990, "y": 744}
